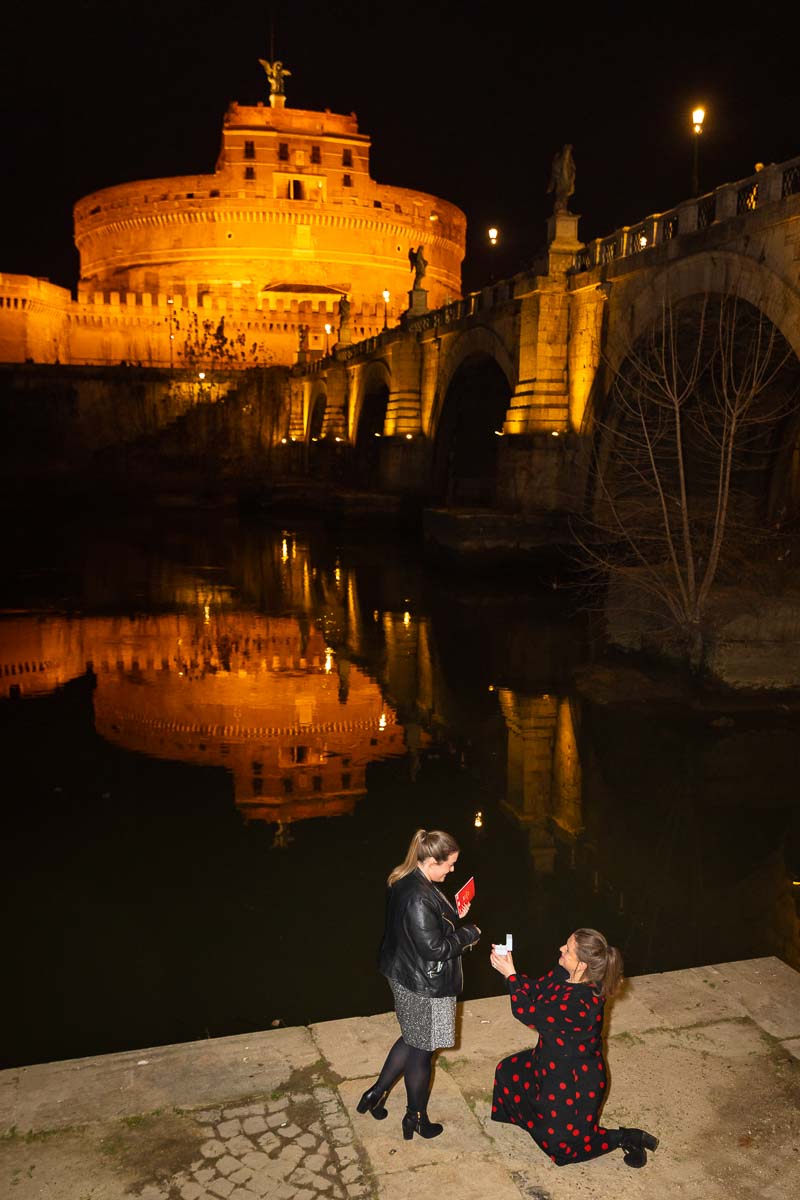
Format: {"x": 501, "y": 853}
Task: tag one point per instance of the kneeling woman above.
{"x": 421, "y": 957}
{"x": 556, "y": 1091}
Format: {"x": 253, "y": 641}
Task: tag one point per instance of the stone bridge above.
{"x": 489, "y": 401}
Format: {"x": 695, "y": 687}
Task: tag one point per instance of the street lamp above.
{"x": 493, "y": 234}
{"x": 386, "y": 299}
{"x": 698, "y": 116}
{"x": 328, "y": 328}
{"x": 171, "y": 302}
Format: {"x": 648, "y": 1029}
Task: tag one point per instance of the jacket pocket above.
{"x": 432, "y": 969}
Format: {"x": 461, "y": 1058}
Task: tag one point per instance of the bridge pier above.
{"x": 405, "y": 465}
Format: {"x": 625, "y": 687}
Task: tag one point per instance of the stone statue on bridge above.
{"x": 276, "y": 73}
{"x": 344, "y": 313}
{"x": 419, "y": 265}
{"x": 562, "y": 179}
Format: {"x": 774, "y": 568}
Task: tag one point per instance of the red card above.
{"x": 465, "y": 894}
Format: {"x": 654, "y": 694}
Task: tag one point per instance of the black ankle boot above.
{"x": 636, "y": 1143}
{"x": 417, "y": 1122}
{"x": 372, "y": 1102}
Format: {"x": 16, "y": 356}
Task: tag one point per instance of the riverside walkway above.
{"x": 707, "y": 1058}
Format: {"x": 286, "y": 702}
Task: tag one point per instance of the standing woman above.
{"x": 420, "y": 955}
{"x": 556, "y": 1091}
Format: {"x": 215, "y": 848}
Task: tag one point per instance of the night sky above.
{"x": 466, "y": 100}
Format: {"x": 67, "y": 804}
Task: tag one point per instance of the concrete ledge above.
{"x": 706, "y": 1058}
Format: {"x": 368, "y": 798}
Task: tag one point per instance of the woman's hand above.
{"x": 503, "y": 963}
{"x": 465, "y": 910}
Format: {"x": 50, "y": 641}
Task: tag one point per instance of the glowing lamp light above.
{"x": 382, "y": 721}
{"x": 328, "y": 328}
{"x": 283, "y": 441}
{"x": 387, "y": 295}
{"x": 328, "y": 660}
{"x": 493, "y": 236}
{"x": 406, "y": 619}
{"x": 642, "y": 240}
{"x": 498, "y": 433}
{"x": 202, "y": 375}
{"x": 337, "y": 439}
{"x": 478, "y": 821}
{"x": 409, "y": 436}
{"x": 553, "y": 433}
{"x": 698, "y": 116}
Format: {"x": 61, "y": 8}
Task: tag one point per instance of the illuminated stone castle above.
{"x": 243, "y": 267}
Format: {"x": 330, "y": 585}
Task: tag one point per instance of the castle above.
{"x": 244, "y": 267}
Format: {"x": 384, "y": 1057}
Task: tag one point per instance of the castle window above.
{"x": 347, "y": 157}
{"x": 214, "y": 192}
{"x": 249, "y": 149}
{"x": 283, "y": 151}
{"x": 296, "y": 189}
{"x": 249, "y": 172}
{"x": 347, "y": 181}
{"x": 316, "y": 157}
{"x": 377, "y": 204}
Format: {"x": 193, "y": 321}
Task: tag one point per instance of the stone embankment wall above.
{"x": 750, "y": 640}
{"x": 94, "y": 428}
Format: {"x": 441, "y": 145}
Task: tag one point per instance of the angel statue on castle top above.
{"x": 276, "y": 73}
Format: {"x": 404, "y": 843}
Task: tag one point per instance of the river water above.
{"x": 218, "y": 738}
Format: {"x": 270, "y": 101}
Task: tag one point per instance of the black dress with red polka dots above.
{"x": 555, "y": 1091}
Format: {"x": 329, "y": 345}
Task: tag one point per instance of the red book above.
{"x": 465, "y": 894}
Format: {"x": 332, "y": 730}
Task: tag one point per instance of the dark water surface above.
{"x": 216, "y": 742}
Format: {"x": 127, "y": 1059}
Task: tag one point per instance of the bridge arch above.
{"x": 709, "y": 274}
{"x": 317, "y": 410}
{"x": 370, "y": 399}
{"x": 475, "y": 343}
{"x": 474, "y": 392}
{"x": 712, "y": 272}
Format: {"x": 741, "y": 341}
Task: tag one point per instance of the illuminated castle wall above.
{"x": 289, "y": 222}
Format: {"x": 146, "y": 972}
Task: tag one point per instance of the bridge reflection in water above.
{"x": 332, "y": 684}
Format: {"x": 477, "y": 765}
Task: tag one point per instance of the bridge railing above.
{"x": 775, "y": 182}
{"x": 438, "y": 318}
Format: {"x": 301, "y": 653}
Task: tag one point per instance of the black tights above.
{"x": 415, "y": 1065}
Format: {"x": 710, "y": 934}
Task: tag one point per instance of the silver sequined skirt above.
{"x": 426, "y": 1022}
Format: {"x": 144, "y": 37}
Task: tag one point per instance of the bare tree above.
{"x": 681, "y": 456}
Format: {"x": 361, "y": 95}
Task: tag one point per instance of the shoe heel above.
{"x": 649, "y": 1141}
{"x": 408, "y": 1130}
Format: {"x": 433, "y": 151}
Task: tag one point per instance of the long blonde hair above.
{"x": 434, "y": 843}
{"x": 603, "y": 962}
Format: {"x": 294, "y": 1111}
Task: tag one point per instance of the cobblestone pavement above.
{"x": 294, "y": 1147}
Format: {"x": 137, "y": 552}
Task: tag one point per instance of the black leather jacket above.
{"x": 422, "y": 944}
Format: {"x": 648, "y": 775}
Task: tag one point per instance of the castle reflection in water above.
{"x": 285, "y": 703}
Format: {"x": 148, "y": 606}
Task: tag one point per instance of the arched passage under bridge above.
{"x": 468, "y": 433}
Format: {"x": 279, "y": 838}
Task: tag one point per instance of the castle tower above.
{"x": 289, "y": 222}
